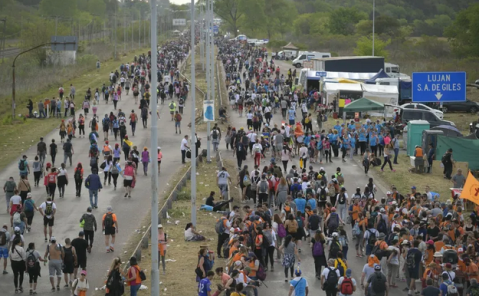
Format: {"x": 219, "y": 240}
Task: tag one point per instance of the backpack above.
{"x": 331, "y": 189}
{"x": 318, "y": 249}
{"x": 28, "y": 205}
{"x": 322, "y": 193}
{"x": 333, "y": 221}
{"x": 21, "y": 165}
{"x": 246, "y": 180}
{"x": 215, "y": 134}
{"x": 109, "y": 220}
{"x": 261, "y": 273}
{"x": 254, "y": 182}
{"x": 372, "y": 239}
{"x": 129, "y": 171}
{"x": 77, "y": 175}
{"x": 281, "y": 230}
{"x": 473, "y": 291}
{"x": 106, "y": 121}
{"x": 114, "y": 169}
{"x": 372, "y": 219}
{"x": 93, "y": 150}
{"x": 334, "y": 249}
{"x": 346, "y": 287}
{"x": 263, "y": 186}
{"x": 93, "y": 123}
{"x": 125, "y": 146}
{"x": 3, "y": 238}
{"x": 332, "y": 279}
{"x": 16, "y": 218}
{"x": 314, "y": 222}
{"x": 31, "y": 262}
{"x": 300, "y": 222}
{"x": 410, "y": 260}
{"x": 220, "y": 226}
{"x": 48, "y": 208}
{"x": 340, "y": 178}
{"x": 382, "y": 227}
{"x": 378, "y": 282}
{"x": 356, "y": 230}
{"x": 342, "y": 199}
{"x": 172, "y": 106}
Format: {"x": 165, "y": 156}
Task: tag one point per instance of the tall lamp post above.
{"x": 374, "y": 19}
{"x": 193, "y": 114}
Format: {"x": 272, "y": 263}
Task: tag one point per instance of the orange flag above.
{"x": 471, "y": 189}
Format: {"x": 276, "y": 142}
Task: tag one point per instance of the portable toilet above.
{"x": 414, "y": 134}
{"x": 430, "y": 137}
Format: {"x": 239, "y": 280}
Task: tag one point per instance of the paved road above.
{"x": 354, "y": 177}
{"x": 130, "y": 212}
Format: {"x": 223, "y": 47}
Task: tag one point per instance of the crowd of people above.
{"x": 403, "y": 237}
{"x": 110, "y": 151}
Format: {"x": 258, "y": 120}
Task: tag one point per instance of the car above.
{"x": 427, "y": 115}
{"x": 467, "y": 106}
{"x": 418, "y": 106}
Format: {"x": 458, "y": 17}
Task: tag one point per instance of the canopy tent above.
{"x": 385, "y": 94}
{"x": 344, "y": 80}
{"x": 381, "y": 74}
{"x": 449, "y": 130}
{"x": 316, "y": 75}
{"x": 290, "y": 46}
{"x": 363, "y": 105}
{"x": 336, "y": 87}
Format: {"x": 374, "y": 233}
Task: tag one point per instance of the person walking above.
{"x": 133, "y": 277}
{"x": 184, "y": 146}
{"x": 41, "y": 150}
{"x": 89, "y": 227}
{"x": 160, "y": 156}
{"x": 110, "y": 228}
{"x": 162, "y": 246}
{"x": 388, "y": 149}
{"x": 177, "y": 118}
{"x": 129, "y": 178}
{"x": 48, "y": 210}
{"x": 37, "y": 167}
{"x": 93, "y": 183}
{"x": 106, "y": 165}
{"x": 4, "y": 243}
{"x": 9, "y": 188}
{"x": 23, "y": 166}
{"x": 17, "y": 260}
{"x": 69, "y": 262}
{"x": 114, "y": 283}
{"x": 346, "y": 284}
{"x": 318, "y": 243}
{"x": 62, "y": 180}
{"x": 115, "y": 171}
{"x": 78, "y": 176}
{"x": 133, "y": 120}
{"x": 224, "y": 232}
{"x": 24, "y": 188}
{"x": 290, "y": 252}
{"x": 215, "y": 137}
{"x": 68, "y": 151}
{"x": 80, "y": 285}
{"x": 81, "y": 247}
{"x": 33, "y": 259}
{"x": 329, "y": 279}
{"x": 29, "y": 209}
{"x": 377, "y": 283}
{"x": 145, "y": 160}
{"x": 53, "y": 151}
{"x": 55, "y": 255}
{"x": 298, "y": 285}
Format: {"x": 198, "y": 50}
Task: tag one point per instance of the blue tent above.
{"x": 381, "y": 74}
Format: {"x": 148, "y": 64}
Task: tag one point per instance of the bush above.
{"x": 184, "y": 195}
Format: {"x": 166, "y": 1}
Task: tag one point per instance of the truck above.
{"x": 309, "y": 55}
{"x": 356, "y": 64}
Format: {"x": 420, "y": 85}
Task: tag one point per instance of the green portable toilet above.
{"x": 414, "y": 134}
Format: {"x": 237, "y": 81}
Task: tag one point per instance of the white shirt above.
{"x": 249, "y": 115}
{"x": 18, "y": 254}
{"x": 43, "y": 206}
{"x": 257, "y": 148}
{"x": 16, "y": 200}
{"x": 303, "y": 152}
{"x": 62, "y": 172}
{"x": 80, "y": 285}
{"x": 184, "y": 144}
{"x": 326, "y": 272}
{"x": 252, "y": 137}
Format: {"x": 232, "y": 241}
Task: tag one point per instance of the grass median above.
{"x": 181, "y": 255}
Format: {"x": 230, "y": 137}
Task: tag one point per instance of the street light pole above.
{"x": 374, "y": 19}
{"x": 208, "y": 82}
{"x": 155, "y": 274}
{"x": 193, "y": 116}
{"x": 212, "y": 54}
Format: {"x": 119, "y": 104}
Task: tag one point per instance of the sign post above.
{"x": 438, "y": 87}
{"x": 179, "y": 22}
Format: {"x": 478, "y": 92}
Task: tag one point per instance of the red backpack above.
{"x": 347, "y": 286}
{"x": 129, "y": 171}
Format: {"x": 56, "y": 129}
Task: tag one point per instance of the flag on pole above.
{"x": 470, "y": 190}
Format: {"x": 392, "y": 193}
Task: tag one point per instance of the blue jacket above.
{"x": 93, "y": 182}
{"x": 300, "y": 204}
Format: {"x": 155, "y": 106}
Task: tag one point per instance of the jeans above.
{"x": 134, "y": 289}
{"x": 42, "y": 114}
{"x": 270, "y": 255}
{"x": 67, "y": 155}
{"x": 93, "y": 193}
{"x": 396, "y": 153}
{"x": 53, "y": 155}
{"x": 41, "y": 157}
{"x": 133, "y": 128}
{"x": 342, "y": 211}
{"x": 387, "y": 161}
{"x": 221, "y": 239}
{"x": 183, "y": 156}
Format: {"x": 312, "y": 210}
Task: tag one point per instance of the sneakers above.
{"x": 5, "y": 272}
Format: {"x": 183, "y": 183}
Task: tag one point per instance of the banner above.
{"x": 471, "y": 189}
{"x": 208, "y": 111}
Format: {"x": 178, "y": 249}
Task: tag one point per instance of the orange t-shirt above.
{"x": 438, "y": 245}
{"x": 232, "y": 249}
{"x": 355, "y": 214}
{"x": 113, "y": 216}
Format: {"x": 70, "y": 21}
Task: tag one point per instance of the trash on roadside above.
{"x": 143, "y": 287}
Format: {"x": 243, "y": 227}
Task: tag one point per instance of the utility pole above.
{"x": 374, "y": 19}
{"x": 193, "y": 116}
{"x": 124, "y": 32}
{"x": 115, "y": 34}
{"x": 3, "y": 37}
{"x": 155, "y": 274}
{"x": 139, "y": 32}
{"x": 212, "y": 53}
{"x": 208, "y": 84}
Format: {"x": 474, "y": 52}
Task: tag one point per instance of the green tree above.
{"x": 96, "y": 7}
{"x": 285, "y": 15}
{"x": 231, "y": 12}
{"x": 58, "y": 8}
{"x": 254, "y": 16}
{"x": 364, "y": 47}
{"x": 384, "y": 24}
{"x": 343, "y": 20}
{"x": 463, "y": 33}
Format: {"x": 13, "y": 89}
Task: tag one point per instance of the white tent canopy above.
{"x": 336, "y": 87}
{"x": 386, "y": 94}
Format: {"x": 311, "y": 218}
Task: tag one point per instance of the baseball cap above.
{"x": 160, "y": 226}
{"x": 335, "y": 234}
{"x": 349, "y": 272}
{"x": 17, "y": 229}
{"x": 377, "y": 267}
{"x": 81, "y": 233}
{"x": 448, "y": 265}
{"x": 382, "y": 210}
{"x": 431, "y": 242}
{"x": 53, "y": 239}
{"x": 414, "y": 187}
{"x": 83, "y": 272}
{"x": 388, "y": 193}
{"x": 460, "y": 250}
{"x": 109, "y": 209}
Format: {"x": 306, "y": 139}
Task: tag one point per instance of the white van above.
{"x": 307, "y": 56}
{"x": 288, "y": 54}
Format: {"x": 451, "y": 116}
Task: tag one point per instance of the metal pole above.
{"x": 13, "y": 91}
{"x": 208, "y": 88}
{"x": 213, "y": 72}
{"x": 139, "y": 32}
{"x": 4, "y": 36}
{"x": 124, "y": 32}
{"x": 155, "y": 274}
{"x": 193, "y": 116}
{"x": 374, "y": 19}
{"x": 115, "y": 34}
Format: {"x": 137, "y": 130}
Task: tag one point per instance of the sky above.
{"x": 179, "y": 2}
